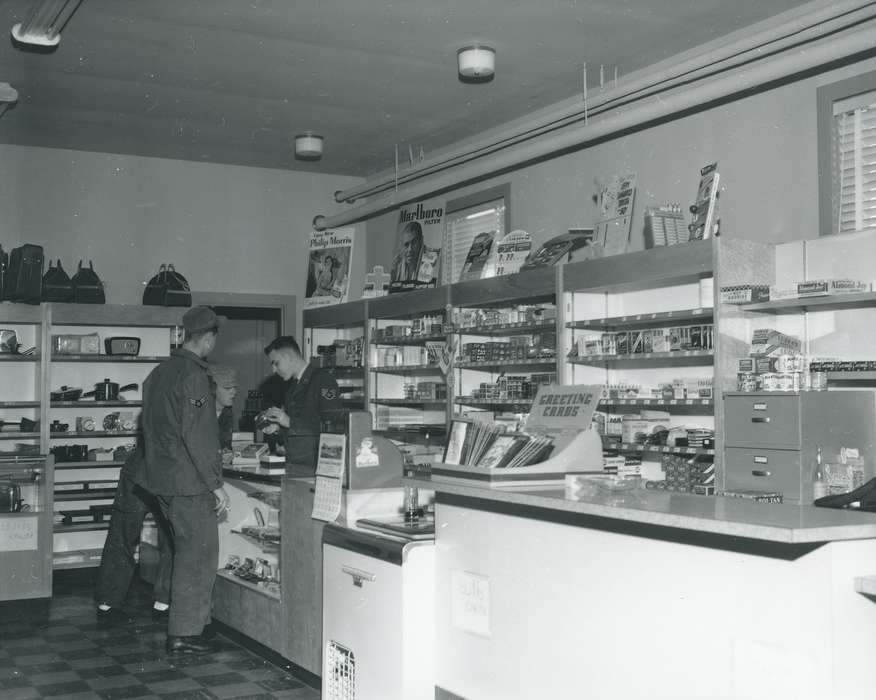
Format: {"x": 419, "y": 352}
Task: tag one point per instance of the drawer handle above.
{"x": 358, "y": 575}
{"x": 760, "y": 419}
{"x": 760, "y": 472}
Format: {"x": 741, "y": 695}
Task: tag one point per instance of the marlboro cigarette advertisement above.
{"x": 416, "y": 263}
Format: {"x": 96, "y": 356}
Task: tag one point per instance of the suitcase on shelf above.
{"x": 87, "y": 286}
{"x": 56, "y": 284}
{"x": 167, "y": 288}
{"x": 24, "y": 277}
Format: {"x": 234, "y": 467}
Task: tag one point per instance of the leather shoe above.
{"x": 113, "y": 616}
{"x": 195, "y": 644}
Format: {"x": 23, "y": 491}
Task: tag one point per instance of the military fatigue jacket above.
{"x": 307, "y": 400}
{"x": 180, "y": 429}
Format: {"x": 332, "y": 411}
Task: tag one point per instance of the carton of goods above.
{"x": 768, "y": 341}
{"x": 745, "y": 293}
{"x": 831, "y": 286}
{"x": 639, "y": 429}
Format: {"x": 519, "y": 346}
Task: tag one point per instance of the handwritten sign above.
{"x": 18, "y": 534}
{"x": 470, "y": 602}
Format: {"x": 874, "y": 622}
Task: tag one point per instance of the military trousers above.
{"x": 117, "y": 564}
{"x": 195, "y": 533}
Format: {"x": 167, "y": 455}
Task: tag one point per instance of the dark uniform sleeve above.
{"x": 200, "y": 429}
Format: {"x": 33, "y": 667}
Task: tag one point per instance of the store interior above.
{"x": 595, "y": 454}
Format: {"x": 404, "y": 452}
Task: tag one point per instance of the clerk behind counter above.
{"x": 309, "y": 400}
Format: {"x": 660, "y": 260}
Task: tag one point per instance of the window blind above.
{"x": 854, "y": 158}
{"x": 460, "y": 229}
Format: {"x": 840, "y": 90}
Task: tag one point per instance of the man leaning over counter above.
{"x": 308, "y": 400}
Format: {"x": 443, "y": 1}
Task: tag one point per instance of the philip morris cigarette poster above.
{"x": 328, "y": 267}
{"x": 417, "y": 258}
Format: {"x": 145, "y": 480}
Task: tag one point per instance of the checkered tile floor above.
{"x": 68, "y": 655}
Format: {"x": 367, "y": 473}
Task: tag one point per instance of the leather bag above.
{"x": 57, "y": 285}
{"x": 24, "y": 277}
{"x": 167, "y": 288}
{"x": 87, "y": 286}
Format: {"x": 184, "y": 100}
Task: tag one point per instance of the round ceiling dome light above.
{"x": 476, "y": 63}
{"x": 308, "y": 145}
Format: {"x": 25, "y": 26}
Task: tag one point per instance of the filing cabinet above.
{"x": 770, "y": 438}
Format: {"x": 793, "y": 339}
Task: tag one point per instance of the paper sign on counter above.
{"x": 18, "y": 534}
{"x": 470, "y": 602}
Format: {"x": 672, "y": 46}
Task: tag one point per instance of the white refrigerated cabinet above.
{"x": 378, "y": 617}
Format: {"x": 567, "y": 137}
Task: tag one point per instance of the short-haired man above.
{"x": 183, "y": 469}
{"x": 308, "y": 401}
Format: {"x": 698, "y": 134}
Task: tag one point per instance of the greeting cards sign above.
{"x": 416, "y": 261}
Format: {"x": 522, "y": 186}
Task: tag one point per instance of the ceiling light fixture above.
{"x": 44, "y": 22}
{"x": 476, "y": 63}
{"x": 8, "y": 97}
{"x": 308, "y": 145}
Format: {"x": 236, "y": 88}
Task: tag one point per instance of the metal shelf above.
{"x": 82, "y": 527}
{"x": 662, "y": 403}
{"x": 96, "y": 434}
{"x": 8, "y": 357}
{"x": 408, "y": 369}
{"x": 827, "y": 302}
{"x": 609, "y": 444}
{"x": 410, "y": 340}
{"x": 88, "y": 465}
{"x": 514, "y": 365}
{"x": 96, "y": 404}
{"x": 18, "y": 436}
{"x": 506, "y": 329}
{"x": 645, "y": 359}
{"x": 643, "y": 319}
{"x": 865, "y": 376}
{"x": 19, "y": 404}
{"x": 123, "y": 359}
{"x": 489, "y": 403}
{"x": 413, "y": 403}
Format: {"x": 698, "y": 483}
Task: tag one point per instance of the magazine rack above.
{"x": 581, "y": 455}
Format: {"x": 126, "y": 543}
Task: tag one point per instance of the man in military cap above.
{"x": 183, "y": 469}
{"x": 308, "y": 401}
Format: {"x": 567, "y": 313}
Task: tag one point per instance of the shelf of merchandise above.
{"x": 410, "y": 340}
{"x": 152, "y": 324}
{"x": 660, "y": 288}
{"x": 26, "y": 571}
{"x": 228, "y": 576}
{"x": 524, "y": 405}
{"x": 77, "y": 559}
{"x": 509, "y": 365}
{"x": 865, "y": 376}
{"x": 610, "y": 444}
{"x": 411, "y": 403}
{"x": 408, "y": 369}
{"x": 644, "y": 320}
{"x": 504, "y": 329}
{"x": 674, "y": 358}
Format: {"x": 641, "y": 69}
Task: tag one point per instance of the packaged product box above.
{"x": 660, "y": 340}
{"x": 745, "y": 293}
{"x": 638, "y": 429}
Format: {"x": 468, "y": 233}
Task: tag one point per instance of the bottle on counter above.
{"x": 412, "y": 502}
{"x": 819, "y": 480}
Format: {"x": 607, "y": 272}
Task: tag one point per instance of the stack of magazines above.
{"x": 476, "y": 443}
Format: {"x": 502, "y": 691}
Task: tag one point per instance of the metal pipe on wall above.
{"x": 775, "y": 68}
{"x": 779, "y": 33}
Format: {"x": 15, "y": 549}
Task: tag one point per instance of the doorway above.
{"x": 254, "y": 320}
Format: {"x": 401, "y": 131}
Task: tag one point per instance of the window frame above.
{"x": 826, "y": 96}
{"x": 490, "y": 194}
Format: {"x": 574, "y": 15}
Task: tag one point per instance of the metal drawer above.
{"x": 763, "y": 420}
{"x": 764, "y": 470}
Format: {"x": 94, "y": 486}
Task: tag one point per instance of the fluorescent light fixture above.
{"x": 479, "y": 214}
{"x": 308, "y": 145}
{"x": 8, "y": 96}
{"x": 476, "y": 63}
{"x": 44, "y": 22}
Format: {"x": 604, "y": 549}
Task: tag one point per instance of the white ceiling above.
{"x": 231, "y": 81}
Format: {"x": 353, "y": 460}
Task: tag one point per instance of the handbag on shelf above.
{"x": 24, "y": 276}
{"x": 87, "y": 286}
{"x": 57, "y": 285}
{"x": 167, "y": 288}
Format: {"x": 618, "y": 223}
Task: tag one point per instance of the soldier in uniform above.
{"x": 183, "y": 469}
{"x": 308, "y": 400}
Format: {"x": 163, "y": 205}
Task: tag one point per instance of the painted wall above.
{"x": 765, "y": 146}
{"x": 227, "y": 228}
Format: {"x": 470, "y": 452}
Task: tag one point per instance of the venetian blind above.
{"x": 854, "y": 154}
{"x": 460, "y": 229}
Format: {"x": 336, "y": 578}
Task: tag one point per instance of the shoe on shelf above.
{"x": 191, "y": 645}
{"x": 113, "y": 616}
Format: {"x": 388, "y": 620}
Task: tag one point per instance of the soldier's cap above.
{"x": 201, "y": 318}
